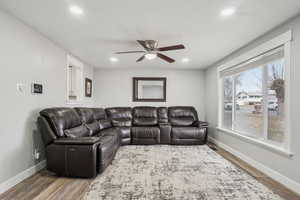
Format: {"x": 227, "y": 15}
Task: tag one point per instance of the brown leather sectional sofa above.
{"x": 82, "y": 142}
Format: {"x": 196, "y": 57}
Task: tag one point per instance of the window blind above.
{"x": 257, "y": 61}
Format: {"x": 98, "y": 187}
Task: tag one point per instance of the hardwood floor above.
{"x": 273, "y": 185}
{"x": 45, "y": 186}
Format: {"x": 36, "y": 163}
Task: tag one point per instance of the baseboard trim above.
{"x": 21, "y": 176}
{"x": 291, "y": 184}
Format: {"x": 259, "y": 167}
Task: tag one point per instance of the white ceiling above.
{"x": 113, "y": 25}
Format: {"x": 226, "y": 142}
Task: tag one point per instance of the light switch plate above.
{"x": 20, "y": 87}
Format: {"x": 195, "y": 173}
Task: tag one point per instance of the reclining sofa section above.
{"x": 82, "y": 142}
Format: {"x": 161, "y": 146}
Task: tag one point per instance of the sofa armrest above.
{"x": 77, "y": 141}
{"x": 201, "y": 124}
{"x": 67, "y": 158}
{"x": 48, "y": 134}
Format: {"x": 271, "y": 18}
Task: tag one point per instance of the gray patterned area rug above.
{"x": 176, "y": 173}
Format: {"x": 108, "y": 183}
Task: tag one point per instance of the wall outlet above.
{"x": 36, "y": 154}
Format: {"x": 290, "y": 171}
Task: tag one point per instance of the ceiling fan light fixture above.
{"x": 185, "y": 60}
{"x": 151, "y": 56}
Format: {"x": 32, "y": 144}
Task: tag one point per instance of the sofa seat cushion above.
{"x": 126, "y": 141}
{"x": 188, "y": 133}
{"x": 79, "y": 131}
{"x": 125, "y": 132}
{"x": 108, "y": 145}
{"x": 145, "y": 132}
{"x": 107, "y": 150}
{"x": 111, "y": 132}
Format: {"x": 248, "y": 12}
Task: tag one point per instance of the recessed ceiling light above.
{"x": 185, "y": 60}
{"x": 76, "y": 10}
{"x": 113, "y": 59}
{"x": 228, "y": 11}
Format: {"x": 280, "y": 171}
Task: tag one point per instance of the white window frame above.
{"x": 281, "y": 40}
{"x": 72, "y": 61}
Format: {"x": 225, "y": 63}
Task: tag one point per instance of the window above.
{"x": 228, "y": 102}
{"x": 74, "y": 81}
{"x": 249, "y": 111}
{"x": 253, "y": 95}
{"x": 276, "y": 101}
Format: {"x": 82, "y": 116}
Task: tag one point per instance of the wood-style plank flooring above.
{"x": 46, "y": 186}
{"x": 273, "y": 185}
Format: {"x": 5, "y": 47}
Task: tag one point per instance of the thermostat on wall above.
{"x": 37, "y": 88}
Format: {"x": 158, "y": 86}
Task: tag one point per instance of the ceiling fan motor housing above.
{"x": 151, "y": 44}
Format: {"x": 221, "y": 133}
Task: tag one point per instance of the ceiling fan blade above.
{"x": 140, "y": 59}
{"x": 169, "y": 48}
{"x": 166, "y": 58}
{"x": 123, "y": 52}
{"x": 143, "y": 43}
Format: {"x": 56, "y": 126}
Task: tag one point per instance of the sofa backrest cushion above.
{"x": 101, "y": 116}
{"x": 144, "y": 116}
{"x": 99, "y": 113}
{"x": 86, "y": 114}
{"x": 182, "y": 115}
{"x": 104, "y": 124}
{"x": 120, "y": 116}
{"x": 61, "y": 119}
{"x": 162, "y": 114}
{"x": 87, "y": 117}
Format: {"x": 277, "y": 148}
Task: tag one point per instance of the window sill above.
{"x": 263, "y": 144}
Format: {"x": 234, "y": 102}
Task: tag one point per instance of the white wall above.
{"x": 26, "y": 57}
{"x": 184, "y": 87}
{"x": 288, "y": 167}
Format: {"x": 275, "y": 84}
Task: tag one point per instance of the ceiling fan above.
{"x": 152, "y": 50}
